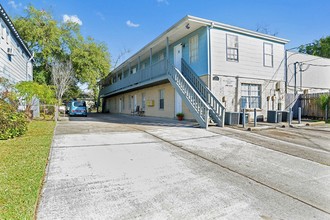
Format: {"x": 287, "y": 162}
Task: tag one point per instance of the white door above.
{"x": 120, "y": 105}
{"x": 177, "y": 64}
{"x": 135, "y": 102}
{"x": 143, "y": 107}
{"x": 178, "y": 56}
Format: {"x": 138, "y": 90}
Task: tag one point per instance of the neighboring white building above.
{"x": 312, "y": 73}
{"x": 16, "y": 61}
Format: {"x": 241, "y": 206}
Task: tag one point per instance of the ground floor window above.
{"x": 161, "y": 98}
{"x": 251, "y": 96}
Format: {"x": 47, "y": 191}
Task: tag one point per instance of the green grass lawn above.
{"x": 22, "y": 165}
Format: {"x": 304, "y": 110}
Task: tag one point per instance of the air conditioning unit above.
{"x": 274, "y": 116}
{"x": 285, "y": 116}
{"x": 10, "y": 51}
{"x": 232, "y": 118}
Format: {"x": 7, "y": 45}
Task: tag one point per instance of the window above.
{"x": 133, "y": 70}
{"x": 193, "y": 49}
{"x": 232, "y": 47}
{"x": 251, "y": 96}
{"x": 268, "y": 55}
{"x": 161, "y": 98}
{"x": 79, "y": 104}
{"x": 123, "y": 102}
{"x": 3, "y": 30}
{"x": 161, "y": 56}
{"x": 8, "y": 38}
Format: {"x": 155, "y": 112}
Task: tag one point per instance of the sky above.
{"x": 128, "y": 25}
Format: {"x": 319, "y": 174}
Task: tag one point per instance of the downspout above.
{"x": 29, "y": 60}
{"x": 167, "y": 53}
{"x": 209, "y": 81}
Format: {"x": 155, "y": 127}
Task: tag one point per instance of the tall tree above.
{"x": 91, "y": 61}
{"x": 62, "y": 77}
{"x": 51, "y": 40}
{"x": 319, "y": 47}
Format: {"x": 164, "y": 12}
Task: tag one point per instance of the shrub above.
{"x": 12, "y": 123}
{"x": 324, "y": 100}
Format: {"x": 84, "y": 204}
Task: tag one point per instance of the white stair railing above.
{"x": 217, "y": 111}
{"x": 192, "y": 99}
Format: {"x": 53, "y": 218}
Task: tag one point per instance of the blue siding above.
{"x": 201, "y": 65}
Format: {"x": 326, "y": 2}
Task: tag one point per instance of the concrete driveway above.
{"x": 130, "y": 167}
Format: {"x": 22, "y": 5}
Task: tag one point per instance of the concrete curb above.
{"x": 315, "y": 123}
{"x": 261, "y": 128}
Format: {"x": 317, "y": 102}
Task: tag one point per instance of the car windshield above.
{"x": 79, "y": 104}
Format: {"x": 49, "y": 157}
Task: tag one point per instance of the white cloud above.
{"x": 131, "y": 24}
{"x": 72, "y": 18}
{"x": 14, "y": 4}
{"x": 163, "y": 1}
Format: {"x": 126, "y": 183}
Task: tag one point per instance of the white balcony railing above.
{"x": 141, "y": 76}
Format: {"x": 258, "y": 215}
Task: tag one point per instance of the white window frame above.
{"x": 193, "y": 49}
{"x": 249, "y": 98}
{"x": 232, "y": 53}
{"x": 133, "y": 71}
{"x": 267, "y": 55}
{"x": 8, "y": 37}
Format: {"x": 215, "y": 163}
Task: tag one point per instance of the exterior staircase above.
{"x": 190, "y": 96}
{"x": 217, "y": 110}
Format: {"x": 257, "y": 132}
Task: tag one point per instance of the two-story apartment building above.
{"x": 201, "y": 68}
{"x": 16, "y": 61}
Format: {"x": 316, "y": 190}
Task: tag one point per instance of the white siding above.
{"x": 249, "y": 69}
{"x": 250, "y": 50}
{"x": 17, "y": 68}
{"x": 315, "y": 78}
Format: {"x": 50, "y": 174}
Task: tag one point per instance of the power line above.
{"x": 319, "y": 65}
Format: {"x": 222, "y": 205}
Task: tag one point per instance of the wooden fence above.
{"x": 309, "y": 105}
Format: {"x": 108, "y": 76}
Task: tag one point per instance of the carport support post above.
{"x": 243, "y": 120}
{"x": 299, "y": 115}
{"x": 255, "y": 117}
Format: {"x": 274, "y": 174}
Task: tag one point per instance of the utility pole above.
{"x": 300, "y": 70}
{"x": 295, "y": 77}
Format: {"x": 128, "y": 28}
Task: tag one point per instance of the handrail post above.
{"x": 207, "y": 118}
